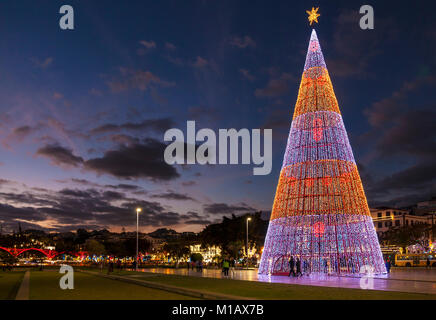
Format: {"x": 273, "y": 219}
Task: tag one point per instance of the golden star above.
{"x": 313, "y": 15}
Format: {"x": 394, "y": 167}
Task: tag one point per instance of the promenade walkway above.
{"x": 401, "y": 280}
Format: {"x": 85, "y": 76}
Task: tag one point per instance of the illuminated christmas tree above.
{"x": 320, "y": 213}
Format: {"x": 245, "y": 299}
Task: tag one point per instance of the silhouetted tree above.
{"x": 93, "y": 246}
{"x": 177, "y": 249}
{"x": 404, "y": 236}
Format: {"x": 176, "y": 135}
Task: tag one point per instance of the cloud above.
{"x": 130, "y": 79}
{"x": 171, "y": 195}
{"x": 188, "y": 183}
{"x": 242, "y": 42}
{"x": 156, "y": 125}
{"x": 95, "y": 92}
{"x": 175, "y": 60}
{"x": 57, "y": 95}
{"x": 148, "y": 44}
{"x": 277, "y": 86}
{"x": 125, "y": 187}
{"x": 202, "y": 112}
{"x": 135, "y": 161}
{"x": 384, "y": 110}
{"x": 405, "y": 187}
{"x": 170, "y": 46}
{"x": 193, "y": 218}
{"x": 354, "y": 47}
{"x": 247, "y": 75}
{"x": 413, "y": 133}
{"x": 402, "y": 132}
{"x": 18, "y": 134}
{"x": 59, "y": 155}
{"x": 200, "y": 62}
{"x": 42, "y": 64}
{"x": 223, "y": 208}
{"x": 68, "y": 209}
{"x": 198, "y": 221}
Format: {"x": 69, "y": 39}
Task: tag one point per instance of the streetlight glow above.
{"x": 246, "y": 244}
{"x": 138, "y": 210}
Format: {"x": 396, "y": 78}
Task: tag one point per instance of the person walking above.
{"x": 298, "y": 265}
{"x": 110, "y": 267}
{"x": 200, "y": 266}
{"x": 232, "y": 267}
{"x": 428, "y": 263}
{"x": 291, "y": 266}
{"x": 388, "y": 266}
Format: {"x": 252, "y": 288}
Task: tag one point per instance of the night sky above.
{"x": 83, "y": 112}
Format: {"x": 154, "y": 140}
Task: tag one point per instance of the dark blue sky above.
{"x": 83, "y": 112}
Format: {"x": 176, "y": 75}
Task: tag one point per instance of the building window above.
{"x": 380, "y": 225}
{"x": 397, "y": 222}
{"x": 379, "y": 214}
{"x": 407, "y": 222}
{"x": 388, "y": 213}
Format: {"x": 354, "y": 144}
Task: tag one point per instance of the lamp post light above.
{"x": 138, "y": 210}
{"x": 246, "y": 245}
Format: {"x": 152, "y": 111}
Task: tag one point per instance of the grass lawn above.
{"x": 9, "y": 283}
{"x": 45, "y": 286}
{"x": 261, "y": 290}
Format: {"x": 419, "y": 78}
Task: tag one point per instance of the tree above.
{"x": 130, "y": 246}
{"x": 404, "y": 236}
{"x": 234, "y": 249}
{"x": 7, "y": 258}
{"x": 319, "y": 195}
{"x": 196, "y": 257}
{"x": 177, "y": 249}
{"x": 231, "y": 233}
{"x": 94, "y": 247}
{"x": 81, "y": 236}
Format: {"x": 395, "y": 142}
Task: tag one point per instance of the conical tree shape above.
{"x": 320, "y": 214}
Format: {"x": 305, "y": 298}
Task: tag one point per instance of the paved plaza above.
{"x": 401, "y": 280}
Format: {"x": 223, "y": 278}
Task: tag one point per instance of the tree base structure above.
{"x": 328, "y": 243}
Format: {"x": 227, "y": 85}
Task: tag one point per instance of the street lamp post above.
{"x": 246, "y": 244}
{"x": 138, "y": 210}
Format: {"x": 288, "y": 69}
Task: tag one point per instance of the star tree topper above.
{"x": 313, "y": 15}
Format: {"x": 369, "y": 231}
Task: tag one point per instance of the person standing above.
{"x": 291, "y": 266}
{"x": 298, "y": 265}
{"x": 232, "y": 267}
{"x": 226, "y": 266}
{"x": 428, "y": 263}
{"x": 388, "y": 266}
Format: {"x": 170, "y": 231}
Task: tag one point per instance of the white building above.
{"x": 384, "y": 218}
{"x": 208, "y": 254}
